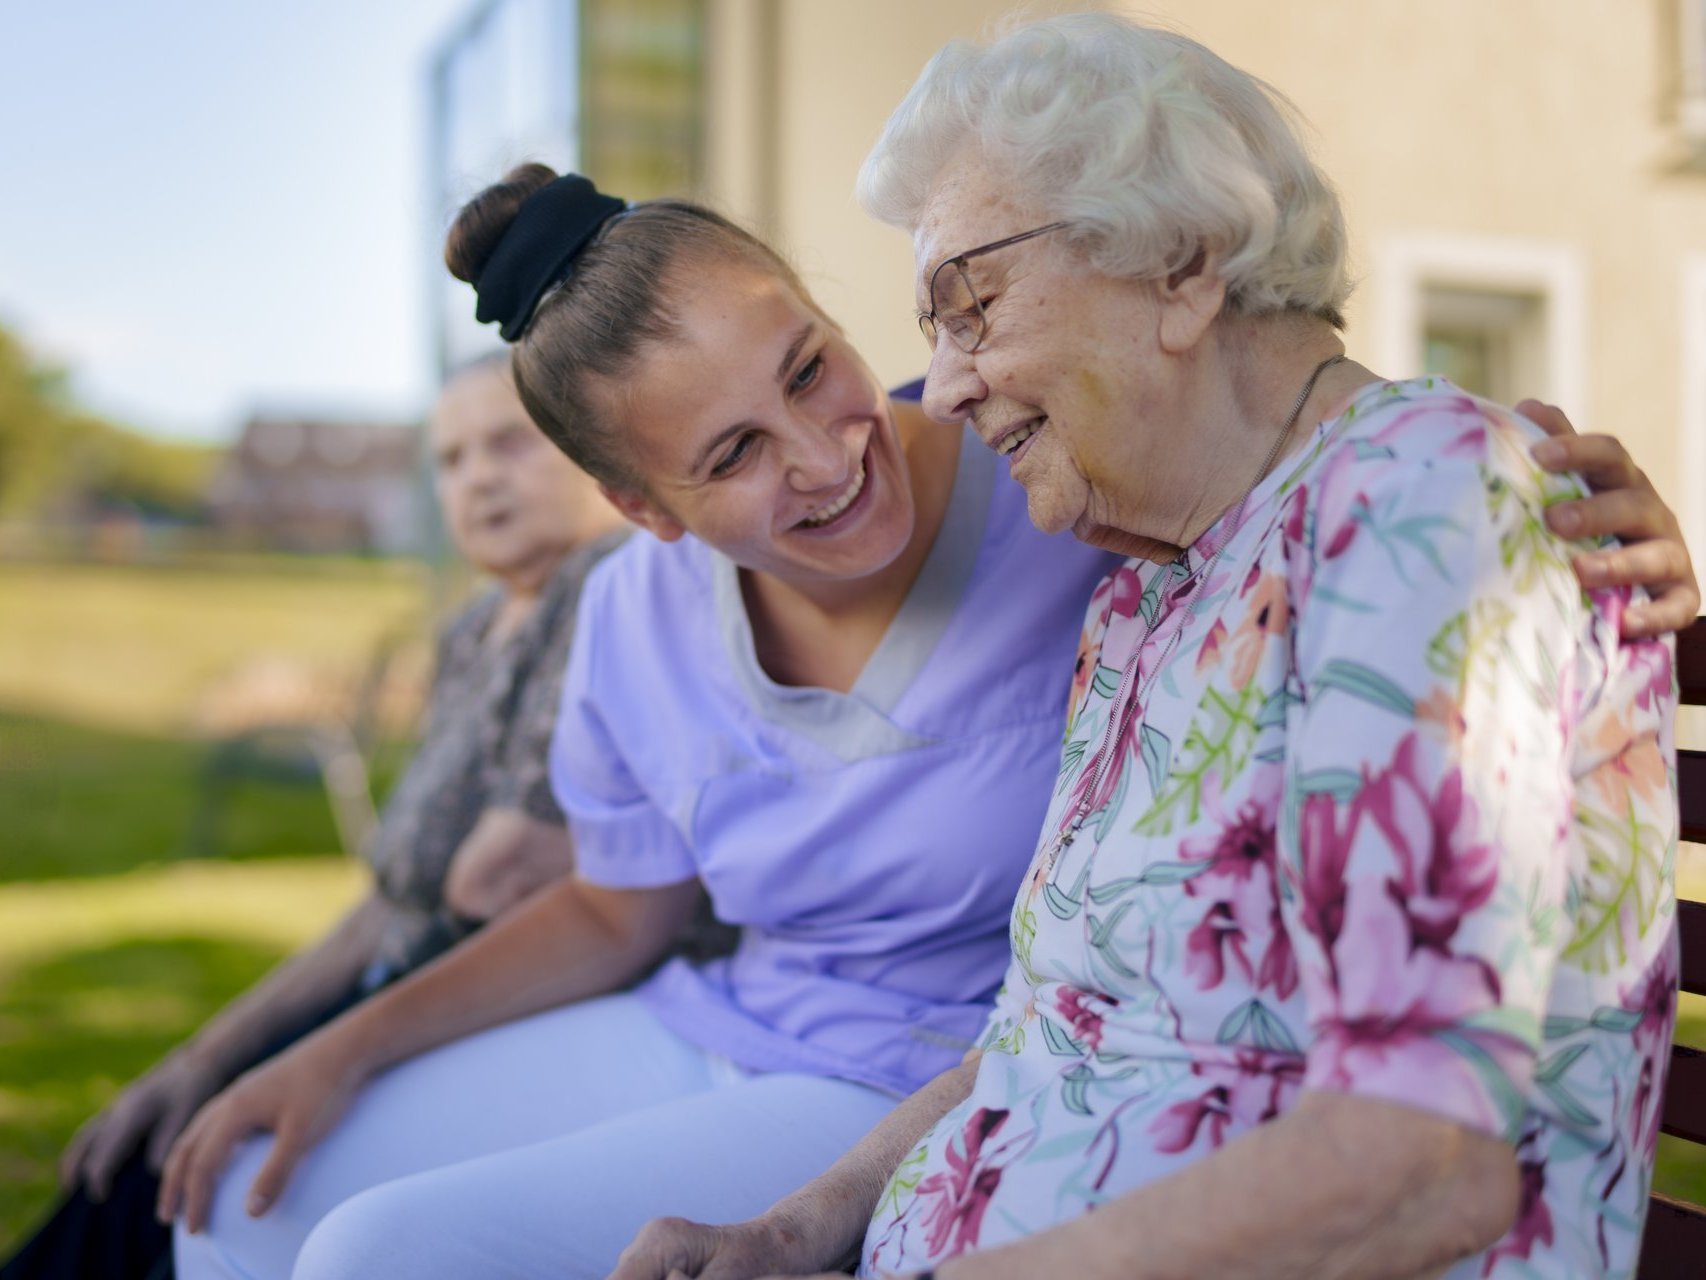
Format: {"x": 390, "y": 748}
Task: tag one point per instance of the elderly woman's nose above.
{"x": 952, "y": 386}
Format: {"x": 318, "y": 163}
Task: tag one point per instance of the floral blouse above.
{"x": 1393, "y": 814}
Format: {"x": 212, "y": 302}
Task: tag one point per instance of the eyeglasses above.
{"x": 954, "y": 305}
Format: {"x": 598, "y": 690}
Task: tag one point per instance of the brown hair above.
{"x": 618, "y": 302}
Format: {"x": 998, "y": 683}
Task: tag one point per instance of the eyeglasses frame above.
{"x": 927, "y": 320}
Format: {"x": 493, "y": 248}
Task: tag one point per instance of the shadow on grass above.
{"x": 81, "y": 801}
{"x": 74, "y": 1028}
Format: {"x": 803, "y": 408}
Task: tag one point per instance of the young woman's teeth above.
{"x": 840, "y": 504}
{"x": 1012, "y": 442}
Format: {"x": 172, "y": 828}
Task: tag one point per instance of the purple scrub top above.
{"x": 870, "y": 844}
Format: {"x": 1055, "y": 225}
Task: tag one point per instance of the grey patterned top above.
{"x": 488, "y": 727}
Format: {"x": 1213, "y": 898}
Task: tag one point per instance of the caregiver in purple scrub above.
{"x": 836, "y": 706}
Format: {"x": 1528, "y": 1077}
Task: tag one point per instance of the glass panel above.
{"x": 640, "y": 95}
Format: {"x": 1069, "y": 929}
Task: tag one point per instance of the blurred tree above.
{"x": 56, "y": 459}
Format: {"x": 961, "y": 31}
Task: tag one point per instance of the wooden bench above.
{"x": 1675, "y": 1243}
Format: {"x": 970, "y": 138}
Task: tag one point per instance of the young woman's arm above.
{"x": 570, "y": 941}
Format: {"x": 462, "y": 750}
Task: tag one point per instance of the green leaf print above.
{"x": 1517, "y": 509}
{"x": 1171, "y": 872}
{"x": 1568, "y": 1107}
{"x": 904, "y": 1181}
{"x": 1075, "y": 1089}
{"x": 1556, "y": 1065}
{"x": 1024, "y": 933}
{"x": 1063, "y": 904}
{"x": 1251, "y": 1023}
{"x": 1621, "y": 1021}
{"x": 1105, "y": 683}
{"x": 1624, "y": 879}
{"x": 1272, "y": 714}
{"x": 1059, "y": 1043}
{"x": 1071, "y": 761}
{"x": 1220, "y": 739}
{"x": 1156, "y": 751}
{"x": 1505, "y": 1096}
{"x": 1341, "y": 784}
{"x": 1366, "y": 684}
{"x": 1116, "y": 802}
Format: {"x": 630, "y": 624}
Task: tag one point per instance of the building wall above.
{"x": 1535, "y": 132}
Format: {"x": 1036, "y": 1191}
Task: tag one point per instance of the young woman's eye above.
{"x": 730, "y": 460}
{"x": 809, "y": 373}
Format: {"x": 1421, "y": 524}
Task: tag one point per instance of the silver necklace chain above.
{"x": 1118, "y": 724}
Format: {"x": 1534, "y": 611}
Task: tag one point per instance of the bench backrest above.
{"x": 1675, "y": 1243}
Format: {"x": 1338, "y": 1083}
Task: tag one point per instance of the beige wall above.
{"x": 1529, "y": 125}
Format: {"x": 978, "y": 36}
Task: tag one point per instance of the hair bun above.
{"x": 481, "y": 223}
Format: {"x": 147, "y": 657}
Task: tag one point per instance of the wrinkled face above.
{"x": 1056, "y": 386}
{"x": 760, "y": 431}
{"x": 510, "y": 498}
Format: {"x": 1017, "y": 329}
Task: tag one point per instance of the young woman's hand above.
{"x": 150, "y": 1112}
{"x": 296, "y": 1097}
{"x": 1625, "y": 505}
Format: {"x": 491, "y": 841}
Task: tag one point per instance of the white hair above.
{"x": 1151, "y": 146}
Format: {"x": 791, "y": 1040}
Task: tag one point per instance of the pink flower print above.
{"x": 1125, "y": 591}
{"x": 1381, "y": 1011}
{"x": 1239, "y": 1096}
{"x": 1650, "y": 663}
{"x": 1084, "y": 1013}
{"x": 1244, "y": 911}
{"x": 1267, "y": 617}
{"x": 1631, "y": 764}
{"x": 1533, "y": 1223}
{"x": 1445, "y": 872}
{"x": 955, "y": 1198}
{"x": 1655, "y": 1001}
{"x": 1208, "y": 652}
{"x": 1325, "y": 847}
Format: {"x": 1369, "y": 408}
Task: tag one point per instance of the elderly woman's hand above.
{"x": 1626, "y": 506}
{"x": 668, "y": 1248}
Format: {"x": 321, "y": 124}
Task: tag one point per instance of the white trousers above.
{"x": 535, "y": 1149}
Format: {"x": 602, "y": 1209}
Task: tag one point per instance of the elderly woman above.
{"x": 1347, "y": 948}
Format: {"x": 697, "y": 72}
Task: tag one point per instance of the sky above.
{"x": 208, "y": 207}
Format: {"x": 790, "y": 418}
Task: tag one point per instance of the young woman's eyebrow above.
{"x": 793, "y": 352}
{"x": 715, "y": 444}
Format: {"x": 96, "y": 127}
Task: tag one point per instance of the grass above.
{"x": 138, "y": 647}
{"x": 113, "y": 947}
{"x": 101, "y": 976}
{"x": 82, "y": 802}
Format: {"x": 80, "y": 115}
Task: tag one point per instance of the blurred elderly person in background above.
{"x": 1348, "y": 946}
{"x": 470, "y": 829}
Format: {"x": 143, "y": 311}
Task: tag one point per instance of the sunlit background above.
{"x": 222, "y": 315}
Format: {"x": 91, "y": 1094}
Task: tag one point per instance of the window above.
{"x": 640, "y": 95}
{"x": 607, "y": 87}
{"x": 1691, "y": 71}
{"x": 1490, "y": 342}
{"x": 1503, "y": 318}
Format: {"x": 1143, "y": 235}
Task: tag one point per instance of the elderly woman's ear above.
{"x": 1189, "y": 300}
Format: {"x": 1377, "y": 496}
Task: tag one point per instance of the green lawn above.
{"x": 140, "y": 646}
{"x": 81, "y": 801}
{"x": 100, "y": 976}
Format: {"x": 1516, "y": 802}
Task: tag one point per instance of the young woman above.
{"x": 837, "y": 706}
